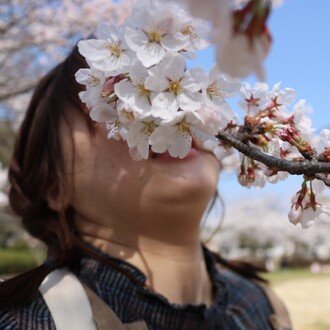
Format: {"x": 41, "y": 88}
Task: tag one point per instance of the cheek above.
{"x": 104, "y": 173}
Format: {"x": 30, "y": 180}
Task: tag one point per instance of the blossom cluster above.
{"x": 139, "y": 85}
{"x": 283, "y": 130}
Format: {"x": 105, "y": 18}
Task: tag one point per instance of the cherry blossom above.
{"x": 310, "y": 216}
{"x": 118, "y": 125}
{"x": 322, "y": 142}
{"x": 305, "y": 208}
{"x": 325, "y": 138}
{"x": 176, "y": 135}
{"x": 133, "y": 91}
{"x": 302, "y": 121}
{"x": 282, "y": 150}
{"x": 154, "y": 30}
{"x": 176, "y": 88}
{"x": 219, "y": 151}
{"x": 116, "y": 130}
{"x": 281, "y": 98}
{"x": 198, "y": 32}
{"x": 254, "y": 98}
{"x": 103, "y": 111}
{"x": 109, "y": 52}
{"x": 220, "y": 86}
{"x": 94, "y": 80}
{"x": 139, "y": 133}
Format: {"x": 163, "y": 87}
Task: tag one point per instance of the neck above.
{"x": 166, "y": 249}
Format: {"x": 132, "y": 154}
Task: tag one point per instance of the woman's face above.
{"x": 106, "y": 178}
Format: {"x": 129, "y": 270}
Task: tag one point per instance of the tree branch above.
{"x": 22, "y": 90}
{"x": 307, "y": 167}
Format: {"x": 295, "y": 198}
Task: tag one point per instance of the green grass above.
{"x": 320, "y": 326}
{"x": 306, "y": 296}
{"x": 15, "y": 261}
{"x": 293, "y": 274}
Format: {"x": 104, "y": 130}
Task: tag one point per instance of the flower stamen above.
{"x": 143, "y": 91}
{"x": 115, "y": 49}
{"x": 214, "y": 90}
{"x": 93, "y": 81}
{"x": 149, "y": 127}
{"x": 175, "y": 87}
{"x": 184, "y": 127}
{"x": 154, "y": 36}
{"x": 189, "y": 30}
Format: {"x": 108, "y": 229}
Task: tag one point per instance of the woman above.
{"x": 128, "y": 230}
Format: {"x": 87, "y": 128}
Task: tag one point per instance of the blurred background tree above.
{"x": 35, "y": 35}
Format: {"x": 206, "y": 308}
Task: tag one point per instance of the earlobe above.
{"x": 55, "y": 205}
{"x": 57, "y": 201}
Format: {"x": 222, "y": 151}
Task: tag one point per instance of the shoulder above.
{"x": 241, "y": 289}
{"x": 246, "y": 299}
{"x": 34, "y": 315}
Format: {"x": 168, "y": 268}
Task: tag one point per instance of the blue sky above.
{"x": 300, "y": 58}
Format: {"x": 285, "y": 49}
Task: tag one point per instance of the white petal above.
{"x": 142, "y": 105}
{"x": 107, "y": 31}
{"x": 214, "y": 73}
{"x": 287, "y": 96}
{"x": 150, "y": 54}
{"x": 135, "y": 39}
{"x": 162, "y": 137}
{"x": 92, "y": 49}
{"x": 200, "y": 135}
{"x": 128, "y": 93}
{"x": 143, "y": 147}
{"x": 102, "y": 112}
{"x": 174, "y": 67}
{"x": 135, "y": 154}
{"x": 156, "y": 81}
{"x": 181, "y": 146}
{"x": 194, "y": 80}
{"x": 175, "y": 42}
{"x": 83, "y": 76}
{"x": 190, "y": 101}
{"x": 135, "y": 133}
{"x": 125, "y": 91}
{"x": 164, "y": 105}
{"x": 114, "y": 65}
{"x": 91, "y": 95}
{"x": 138, "y": 73}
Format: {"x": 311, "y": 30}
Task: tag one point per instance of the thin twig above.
{"x": 307, "y": 167}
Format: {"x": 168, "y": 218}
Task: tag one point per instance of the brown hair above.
{"x": 37, "y": 171}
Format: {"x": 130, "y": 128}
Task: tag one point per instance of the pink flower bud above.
{"x": 108, "y": 87}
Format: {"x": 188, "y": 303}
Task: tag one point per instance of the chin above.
{"x": 194, "y": 177}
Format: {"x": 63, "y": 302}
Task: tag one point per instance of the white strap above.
{"x": 67, "y": 301}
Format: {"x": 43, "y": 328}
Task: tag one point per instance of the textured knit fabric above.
{"x": 238, "y": 303}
